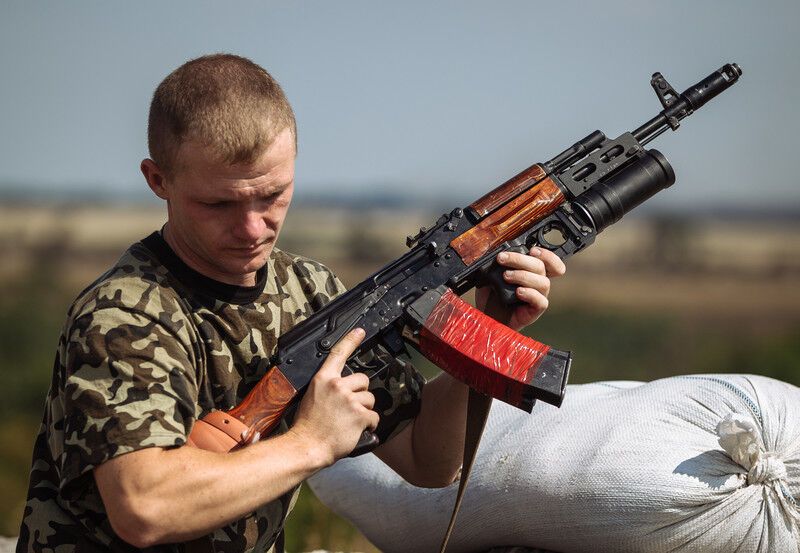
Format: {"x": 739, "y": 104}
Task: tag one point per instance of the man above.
{"x": 185, "y": 323}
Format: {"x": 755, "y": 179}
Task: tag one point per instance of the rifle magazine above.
{"x": 490, "y": 357}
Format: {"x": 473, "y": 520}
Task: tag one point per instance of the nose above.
{"x": 250, "y": 227}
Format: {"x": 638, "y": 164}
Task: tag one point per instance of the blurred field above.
{"x": 654, "y": 297}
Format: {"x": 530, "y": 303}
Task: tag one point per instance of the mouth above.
{"x": 249, "y": 250}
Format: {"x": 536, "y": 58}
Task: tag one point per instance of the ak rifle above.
{"x": 414, "y": 300}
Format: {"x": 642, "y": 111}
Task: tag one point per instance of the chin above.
{"x": 245, "y": 265}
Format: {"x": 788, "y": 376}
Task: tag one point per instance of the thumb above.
{"x": 343, "y": 349}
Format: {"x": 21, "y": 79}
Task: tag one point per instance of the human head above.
{"x": 223, "y": 101}
{"x": 222, "y": 139}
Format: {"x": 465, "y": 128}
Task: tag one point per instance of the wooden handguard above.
{"x": 510, "y": 220}
{"x": 482, "y": 353}
{"x": 258, "y": 413}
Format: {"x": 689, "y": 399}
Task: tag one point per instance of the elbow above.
{"x": 437, "y": 472}
{"x": 427, "y": 474}
{"x": 136, "y": 521}
{"x": 433, "y": 480}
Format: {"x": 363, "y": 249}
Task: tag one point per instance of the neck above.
{"x": 185, "y": 255}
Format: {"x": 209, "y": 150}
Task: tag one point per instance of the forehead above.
{"x": 200, "y": 168}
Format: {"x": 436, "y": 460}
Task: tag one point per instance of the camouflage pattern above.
{"x": 141, "y": 357}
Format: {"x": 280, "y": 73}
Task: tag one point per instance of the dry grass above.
{"x": 697, "y": 268}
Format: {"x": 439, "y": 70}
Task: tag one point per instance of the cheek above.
{"x": 278, "y": 214}
{"x": 207, "y": 228}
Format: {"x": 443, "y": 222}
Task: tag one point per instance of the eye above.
{"x": 271, "y": 198}
{"x": 215, "y": 205}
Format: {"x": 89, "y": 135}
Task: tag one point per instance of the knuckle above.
{"x": 355, "y": 405}
{"x": 337, "y": 385}
{"x": 555, "y": 266}
{"x": 339, "y": 349}
{"x": 535, "y": 265}
{"x": 322, "y": 378}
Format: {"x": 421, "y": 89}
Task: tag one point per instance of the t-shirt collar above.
{"x": 198, "y": 283}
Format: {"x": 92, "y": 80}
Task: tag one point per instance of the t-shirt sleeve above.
{"x": 398, "y": 392}
{"x": 129, "y": 384}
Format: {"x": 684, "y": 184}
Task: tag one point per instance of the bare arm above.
{"x": 141, "y": 490}
{"x": 428, "y": 452}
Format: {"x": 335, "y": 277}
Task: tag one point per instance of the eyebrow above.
{"x": 270, "y": 193}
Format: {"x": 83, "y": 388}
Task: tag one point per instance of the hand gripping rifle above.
{"x": 415, "y": 299}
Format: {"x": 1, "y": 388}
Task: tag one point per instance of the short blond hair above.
{"x": 223, "y": 101}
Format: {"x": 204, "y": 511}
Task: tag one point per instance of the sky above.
{"x": 437, "y": 99}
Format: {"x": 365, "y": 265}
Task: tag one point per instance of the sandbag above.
{"x": 695, "y": 463}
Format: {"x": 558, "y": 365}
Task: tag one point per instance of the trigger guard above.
{"x": 544, "y": 242}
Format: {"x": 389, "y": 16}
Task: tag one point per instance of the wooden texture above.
{"x": 509, "y": 221}
{"x": 264, "y": 406}
{"x": 512, "y": 187}
{"x": 217, "y": 431}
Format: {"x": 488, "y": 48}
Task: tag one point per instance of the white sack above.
{"x": 695, "y": 463}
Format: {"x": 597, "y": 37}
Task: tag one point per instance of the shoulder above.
{"x": 299, "y": 274}
{"x": 299, "y": 264}
{"x": 137, "y": 285}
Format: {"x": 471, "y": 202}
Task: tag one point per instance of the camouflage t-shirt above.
{"x": 149, "y": 348}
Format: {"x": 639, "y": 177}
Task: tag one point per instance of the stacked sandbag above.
{"x": 696, "y": 463}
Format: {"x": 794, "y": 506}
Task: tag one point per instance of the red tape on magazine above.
{"x": 481, "y": 352}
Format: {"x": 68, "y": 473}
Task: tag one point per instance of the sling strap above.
{"x": 478, "y": 406}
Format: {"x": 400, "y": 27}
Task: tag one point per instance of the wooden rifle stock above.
{"x": 258, "y": 414}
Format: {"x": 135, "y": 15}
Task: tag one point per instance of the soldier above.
{"x": 185, "y": 323}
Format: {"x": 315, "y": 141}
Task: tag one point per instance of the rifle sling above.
{"x": 478, "y": 407}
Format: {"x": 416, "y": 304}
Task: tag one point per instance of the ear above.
{"x": 155, "y": 178}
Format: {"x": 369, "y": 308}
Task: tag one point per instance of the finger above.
{"x": 528, "y": 279}
{"x": 372, "y": 420}
{"x": 343, "y": 349}
{"x": 554, "y": 266}
{"x": 355, "y": 382}
{"x": 514, "y": 260}
{"x": 367, "y": 399}
{"x": 533, "y": 298}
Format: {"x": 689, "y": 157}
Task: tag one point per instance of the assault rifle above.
{"x": 415, "y": 299}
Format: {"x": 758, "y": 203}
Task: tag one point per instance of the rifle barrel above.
{"x": 691, "y": 99}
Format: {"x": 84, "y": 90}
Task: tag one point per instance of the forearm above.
{"x": 145, "y": 497}
{"x": 428, "y": 453}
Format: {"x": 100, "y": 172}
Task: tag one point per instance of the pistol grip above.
{"x": 366, "y": 443}
{"x": 368, "y": 440}
{"x": 507, "y": 293}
